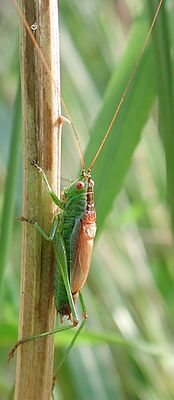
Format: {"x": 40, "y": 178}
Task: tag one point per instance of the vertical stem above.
{"x": 42, "y": 142}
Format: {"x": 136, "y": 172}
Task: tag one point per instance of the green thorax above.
{"x": 75, "y": 205}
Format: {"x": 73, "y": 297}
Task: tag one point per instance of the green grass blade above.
{"x": 162, "y": 45}
{"x": 10, "y": 187}
{"x": 93, "y": 337}
{"x": 114, "y": 160}
{"x": 157, "y": 350}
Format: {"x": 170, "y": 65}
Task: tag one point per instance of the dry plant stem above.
{"x": 42, "y": 142}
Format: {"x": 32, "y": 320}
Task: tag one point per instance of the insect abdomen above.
{"x": 83, "y": 244}
{"x": 83, "y": 254}
{"x": 62, "y": 250}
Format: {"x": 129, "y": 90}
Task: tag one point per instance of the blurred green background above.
{"x": 126, "y": 350}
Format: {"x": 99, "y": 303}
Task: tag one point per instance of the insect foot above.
{"x": 34, "y": 163}
{"x": 13, "y": 350}
{"x": 61, "y": 120}
{"x": 23, "y": 219}
{"x": 85, "y": 315}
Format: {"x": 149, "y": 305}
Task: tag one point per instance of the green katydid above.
{"x": 73, "y": 232}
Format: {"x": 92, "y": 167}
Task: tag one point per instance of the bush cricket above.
{"x": 73, "y": 230}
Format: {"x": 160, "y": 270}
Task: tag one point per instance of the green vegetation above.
{"x": 126, "y": 350}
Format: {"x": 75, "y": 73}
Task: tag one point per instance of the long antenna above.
{"x": 127, "y": 86}
{"x": 50, "y": 75}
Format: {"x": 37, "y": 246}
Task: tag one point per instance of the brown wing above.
{"x": 83, "y": 253}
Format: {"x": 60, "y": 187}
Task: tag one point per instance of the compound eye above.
{"x": 80, "y": 185}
